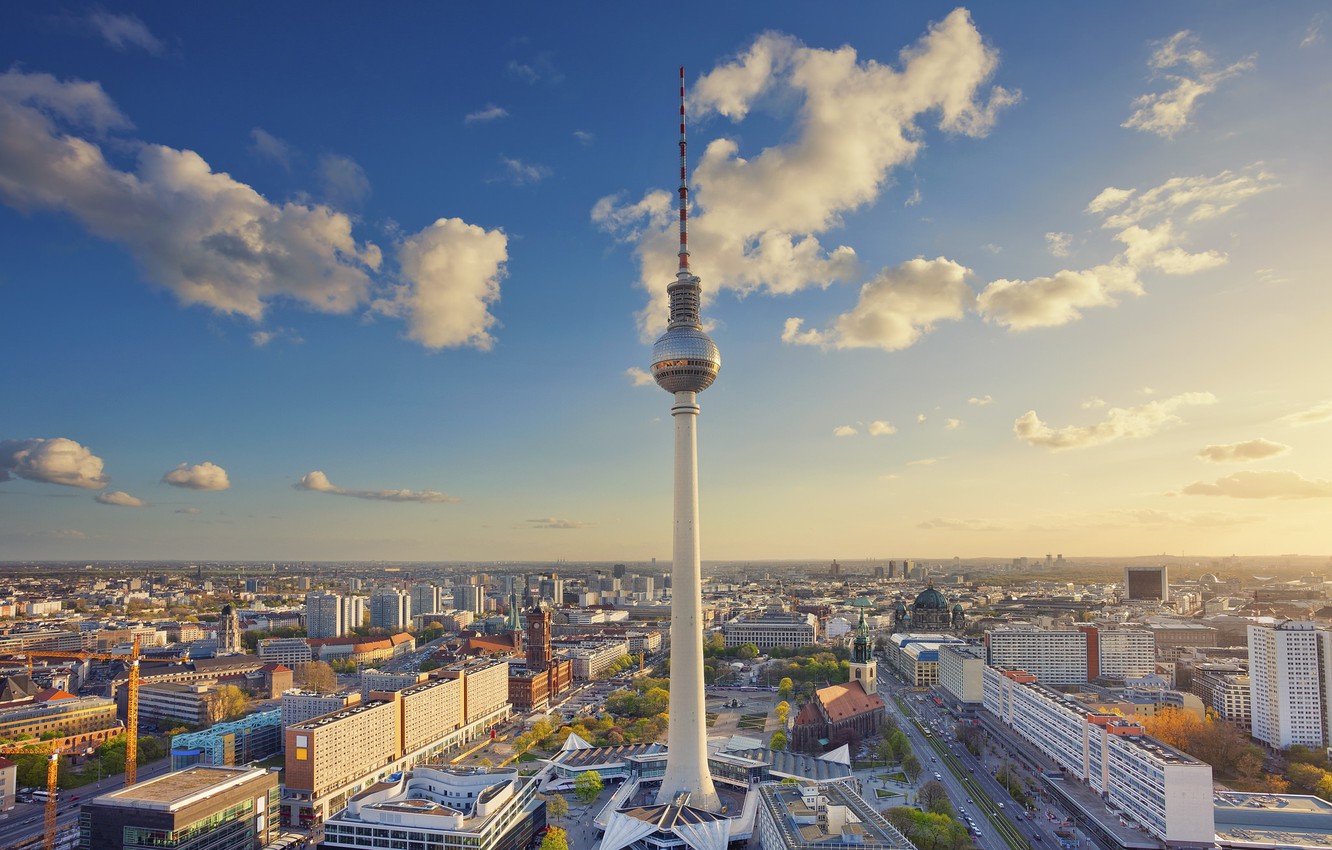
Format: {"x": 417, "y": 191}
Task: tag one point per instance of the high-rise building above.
{"x": 390, "y": 609}
{"x": 469, "y": 597}
{"x": 551, "y": 587}
{"x": 1290, "y": 684}
{"x": 353, "y": 612}
{"x": 1056, "y": 657}
{"x": 425, "y": 599}
{"x": 685, "y": 361}
{"x": 1145, "y": 583}
{"x": 324, "y": 615}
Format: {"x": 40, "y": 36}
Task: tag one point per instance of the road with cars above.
{"x": 26, "y": 822}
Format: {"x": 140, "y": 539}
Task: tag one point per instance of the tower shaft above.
{"x": 687, "y": 755}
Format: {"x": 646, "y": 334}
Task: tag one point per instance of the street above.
{"x": 27, "y": 820}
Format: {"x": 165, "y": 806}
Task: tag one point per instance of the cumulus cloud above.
{"x": 1120, "y": 423}
{"x": 210, "y": 239}
{"x": 1311, "y": 416}
{"x": 1146, "y": 226}
{"x": 981, "y": 401}
{"x": 951, "y": 524}
{"x": 895, "y": 309}
{"x": 920, "y": 418}
{"x": 1263, "y": 485}
{"x": 1093, "y": 403}
{"x": 952, "y": 424}
{"x": 1241, "y": 452}
{"x": 1058, "y": 243}
{"x": 120, "y": 499}
{"x": 452, "y": 272}
{"x": 759, "y": 219}
{"x": 343, "y": 180}
{"x": 561, "y": 524}
{"x": 317, "y": 482}
{"x": 491, "y": 112}
{"x": 200, "y": 476}
{"x": 845, "y": 431}
{"x": 879, "y": 428}
{"x": 640, "y": 377}
{"x": 53, "y": 461}
{"x": 1186, "y": 71}
{"x": 124, "y": 32}
{"x": 584, "y": 136}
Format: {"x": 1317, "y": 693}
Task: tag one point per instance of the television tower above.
{"x": 685, "y": 362}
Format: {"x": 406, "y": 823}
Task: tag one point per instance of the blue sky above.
{"x": 347, "y": 282}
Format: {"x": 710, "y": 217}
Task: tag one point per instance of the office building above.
{"x": 770, "y": 629}
{"x": 821, "y": 816}
{"x": 199, "y": 808}
{"x": 916, "y": 656}
{"x": 591, "y": 660}
{"x": 1290, "y": 684}
{"x": 288, "y": 651}
{"x": 470, "y": 598}
{"x": 961, "y": 673}
{"x": 431, "y": 807}
{"x": 8, "y": 783}
{"x": 1147, "y": 583}
{"x": 254, "y": 737}
{"x": 551, "y": 589}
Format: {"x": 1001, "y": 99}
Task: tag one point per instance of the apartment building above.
{"x": 299, "y": 706}
{"x": 1119, "y": 653}
{"x": 1055, "y": 657}
{"x": 1168, "y": 792}
{"x": 591, "y": 661}
{"x": 961, "y": 673}
{"x": 324, "y": 615}
{"x": 1290, "y": 684}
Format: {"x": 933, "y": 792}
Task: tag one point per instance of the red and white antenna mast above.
{"x": 684, "y": 189}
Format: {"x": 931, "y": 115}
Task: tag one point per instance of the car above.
{"x": 969, "y": 800}
{"x": 1001, "y": 805}
{"x": 1037, "y": 836}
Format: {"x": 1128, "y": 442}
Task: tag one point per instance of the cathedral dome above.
{"x": 930, "y": 600}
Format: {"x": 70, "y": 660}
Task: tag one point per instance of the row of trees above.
{"x": 928, "y": 830}
{"x": 1309, "y": 771}
{"x": 1225, "y": 746}
{"x": 107, "y": 760}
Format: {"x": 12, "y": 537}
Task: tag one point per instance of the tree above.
{"x": 900, "y": 744}
{"x": 226, "y": 703}
{"x": 557, "y": 807}
{"x": 933, "y": 797}
{"x": 587, "y": 785}
{"x": 747, "y": 652}
{"x": 315, "y": 676}
{"x": 555, "y": 839}
{"x": 1175, "y": 727}
{"x": 778, "y": 741}
{"x": 884, "y": 749}
{"x": 911, "y": 766}
{"x": 783, "y": 711}
{"x": 785, "y": 688}
{"x": 716, "y": 644}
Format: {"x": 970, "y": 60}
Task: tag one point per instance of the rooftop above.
{"x": 181, "y": 788}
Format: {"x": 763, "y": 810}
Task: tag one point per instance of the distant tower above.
{"x": 835, "y": 570}
{"x": 539, "y": 655}
{"x": 685, "y": 362}
{"x": 514, "y": 624}
{"x": 864, "y": 669}
{"x": 228, "y": 632}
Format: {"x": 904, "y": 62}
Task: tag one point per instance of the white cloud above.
{"x": 925, "y": 461}
{"x": 757, "y": 220}
{"x": 1093, "y": 403}
{"x": 524, "y": 173}
{"x": 263, "y": 337}
{"x": 1120, "y": 423}
{"x": 343, "y": 180}
{"x": 1241, "y": 452}
{"x": 584, "y": 136}
{"x": 952, "y": 424}
{"x": 560, "y": 524}
{"x": 124, "y": 32}
{"x": 640, "y": 377}
{"x": 317, "y": 482}
{"x": 1146, "y": 227}
{"x": 1058, "y": 243}
{"x": 1263, "y": 485}
{"x": 880, "y": 428}
{"x": 1314, "y": 33}
{"x": 895, "y": 309}
{"x": 265, "y": 144}
{"x": 950, "y": 524}
{"x": 452, "y": 272}
{"x": 53, "y": 461}
{"x": 217, "y": 242}
{"x": 980, "y": 402}
{"x": 491, "y": 112}
{"x": 845, "y": 431}
{"x": 920, "y": 418}
{"x": 120, "y": 499}
{"x": 913, "y": 199}
{"x": 1311, "y": 416}
{"x": 200, "y": 476}
{"x": 1167, "y": 112}
{"x": 521, "y": 71}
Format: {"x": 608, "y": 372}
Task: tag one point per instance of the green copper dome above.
{"x": 930, "y": 600}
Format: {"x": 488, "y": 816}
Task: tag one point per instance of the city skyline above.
{"x": 1042, "y": 280}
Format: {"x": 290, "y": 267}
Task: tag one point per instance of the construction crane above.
{"x": 131, "y": 697}
{"x": 52, "y": 777}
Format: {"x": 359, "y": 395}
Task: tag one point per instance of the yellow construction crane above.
{"x": 52, "y": 777}
{"x": 131, "y": 697}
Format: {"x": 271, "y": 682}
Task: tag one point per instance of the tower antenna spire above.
{"x": 684, "y": 189}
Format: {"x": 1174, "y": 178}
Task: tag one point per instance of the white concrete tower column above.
{"x": 687, "y": 759}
